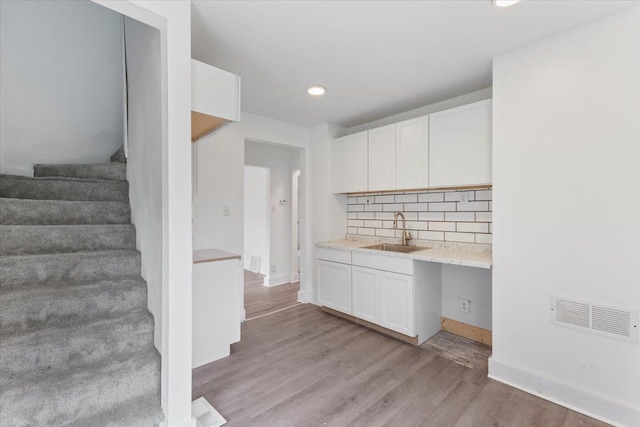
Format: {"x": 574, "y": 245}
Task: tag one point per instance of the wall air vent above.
{"x": 612, "y": 322}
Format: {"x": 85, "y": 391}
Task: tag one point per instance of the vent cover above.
{"x": 612, "y": 322}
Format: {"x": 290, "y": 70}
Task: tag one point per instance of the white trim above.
{"x": 305, "y": 296}
{"x": 295, "y": 277}
{"x": 599, "y": 407}
{"x": 7, "y": 170}
{"x": 282, "y": 279}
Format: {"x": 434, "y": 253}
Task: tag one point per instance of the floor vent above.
{"x": 612, "y": 322}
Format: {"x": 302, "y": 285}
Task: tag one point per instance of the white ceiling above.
{"x": 376, "y": 58}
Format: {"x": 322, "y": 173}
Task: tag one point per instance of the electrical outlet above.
{"x": 226, "y": 211}
{"x": 464, "y": 197}
{"x": 464, "y": 306}
{"x": 273, "y": 268}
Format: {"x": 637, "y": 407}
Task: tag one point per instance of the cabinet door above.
{"x": 460, "y": 146}
{"x": 412, "y": 153}
{"x": 365, "y": 293}
{"x": 397, "y": 302}
{"x": 334, "y": 281}
{"x": 350, "y": 163}
{"x": 382, "y": 158}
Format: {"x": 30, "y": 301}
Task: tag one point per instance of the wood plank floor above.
{"x": 260, "y": 300}
{"x": 302, "y": 367}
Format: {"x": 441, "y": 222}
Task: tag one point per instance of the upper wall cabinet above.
{"x": 460, "y": 146}
{"x": 382, "y": 158}
{"x": 350, "y": 163}
{"x": 412, "y": 153}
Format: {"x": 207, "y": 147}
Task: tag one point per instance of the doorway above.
{"x": 271, "y": 228}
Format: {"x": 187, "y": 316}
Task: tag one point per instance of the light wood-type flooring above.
{"x": 302, "y": 367}
{"x": 260, "y": 300}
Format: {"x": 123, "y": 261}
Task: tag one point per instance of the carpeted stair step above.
{"x": 41, "y": 239}
{"x": 71, "y": 396}
{"x": 61, "y": 188}
{"x": 141, "y": 412}
{"x": 28, "y": 310}
{"x": 59, "y": 212}
{"x": 40, "y": 352}
{"x": 69, "y": 268}
{"x": 112, "y": 171}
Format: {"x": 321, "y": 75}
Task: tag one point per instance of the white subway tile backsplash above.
{"x": 442, "y": 207}
{"x": 484, "y": 195}
{"x": 415, "y": 207}
{"x": 393, "y": 207}
{"x": 406, "y": 198}
{"x": 431, "y": 235}
{"x": 384, "y": 215}
{"x": 367, "y": 231}
{"x": 484, "y": 238}
{"x": 460, "y": 237}
{"x": 458, "y": 195}
{"x": 385, "y": 199}
{"x": 484, "y": 216}
{"x": 442, "y": 226}
{"x": 472, "y": 227}
{"x": 383, "y": 232}
{"x": 473, "y": 206}
{"x": 366, "y": 215}
{"x": 373, "y": 208}
{"x": 431, "y": 197}
{"x": 430, "y": 215}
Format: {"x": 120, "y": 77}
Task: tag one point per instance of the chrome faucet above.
{"x": 405, "y": 234}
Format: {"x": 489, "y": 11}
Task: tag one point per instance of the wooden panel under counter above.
{"x": 217, "y": 300}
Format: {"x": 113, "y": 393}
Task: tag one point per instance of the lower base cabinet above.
{"x": 399, "y": 294}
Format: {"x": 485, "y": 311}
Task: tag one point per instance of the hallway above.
{"x": 260, "y": 300}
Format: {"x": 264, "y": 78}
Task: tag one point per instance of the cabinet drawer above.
{"x": 384, "y": 262}
{"x": 335, "y": 255}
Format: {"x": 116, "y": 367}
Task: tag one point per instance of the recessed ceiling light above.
{"x": 316, "y": 90}
{"x": 505, "y": 3}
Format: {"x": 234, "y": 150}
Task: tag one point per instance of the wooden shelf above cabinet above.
{"x": 203, "y": 124}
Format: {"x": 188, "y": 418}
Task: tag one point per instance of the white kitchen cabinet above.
{"x": 350, "y": 163}
{"x": 397, "y": 302}
{"x": 365, "y": 293}
{"x": 334, "y": 279}
{"x": 460, "y": 146}
{"x": 382, "y": 158}
{"x": 412, "y": 154}
{"x": 217, "y": 309}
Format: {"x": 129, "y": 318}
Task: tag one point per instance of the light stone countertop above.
{"x": 212, "y": 255}
{"x": 444, "y": 255}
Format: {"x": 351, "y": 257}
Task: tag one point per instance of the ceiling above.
{"x": 376, "y": 58}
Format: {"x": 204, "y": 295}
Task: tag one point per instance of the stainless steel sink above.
{"x": 387, "y": 247}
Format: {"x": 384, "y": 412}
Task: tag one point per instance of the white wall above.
{"x": 278, "y": 160}
{"x": 566, "y": 126}
{"x": 468, "y": 283}
{"x": 173, "y": 20}
{"x": 144, "y": 166}
{"x": 329, "y": 210}
{"x": 220, "y": 176}
{"x": 62, "y": 84}
{"x": 256, "y": 217}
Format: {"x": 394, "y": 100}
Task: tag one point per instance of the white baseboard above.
{"x": 278, "y": 280}
{"x": 590, "y": 404}
{"x": 8, "y": 170}
{"x": 304, "y": 296}
{"x": 295, "y": 277}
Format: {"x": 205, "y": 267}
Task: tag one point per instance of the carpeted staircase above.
{"x": 76, "y": 338}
